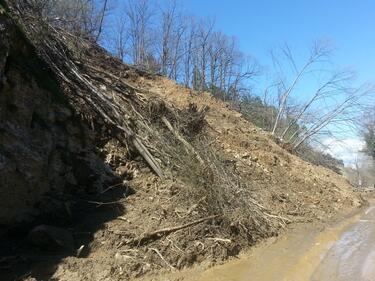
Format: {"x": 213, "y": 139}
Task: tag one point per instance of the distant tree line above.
{"x": 368, "y": 132}
{"x": 159, "y": 36}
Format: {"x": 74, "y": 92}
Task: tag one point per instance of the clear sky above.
{"x": 264, "y": 25}
{"x": 261, "y": 25}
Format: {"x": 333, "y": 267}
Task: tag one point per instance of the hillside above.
{"x": 147, "y": 175}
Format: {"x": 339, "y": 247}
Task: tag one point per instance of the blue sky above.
{"x": 264, "y": 25}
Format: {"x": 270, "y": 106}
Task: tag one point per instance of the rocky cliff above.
{"x": 45, "y": 148}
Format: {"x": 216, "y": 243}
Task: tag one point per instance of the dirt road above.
{"x": 352, "y": 256}
{"x": 343, "y": 252}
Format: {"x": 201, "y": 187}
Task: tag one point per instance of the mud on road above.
{"x": 344, "y": 251}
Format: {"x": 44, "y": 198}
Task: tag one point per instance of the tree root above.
{"x": 188, "y": 147}
{"x": 147, "y": 237}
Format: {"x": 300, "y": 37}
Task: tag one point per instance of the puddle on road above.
{"x": 339, "y": 253}
{"x": 352, "y": 256}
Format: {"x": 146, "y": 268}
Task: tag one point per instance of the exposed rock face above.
{"x": 44, "y": 147}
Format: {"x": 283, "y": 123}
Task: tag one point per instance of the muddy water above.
{"x": 352, "y": 256}
{"x": 344, "y": 252}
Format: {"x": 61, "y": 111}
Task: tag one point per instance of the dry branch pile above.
{"x": 96, "y": 96}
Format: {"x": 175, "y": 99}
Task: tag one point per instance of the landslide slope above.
{"x": 155, "y": 176}
{"x": 281, "y": 181}
{"x": 235, "y": 172}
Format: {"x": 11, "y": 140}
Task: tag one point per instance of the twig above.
{"x": 188, "y": 146}
{"x": 219, "y": 239}
{"x": 211, "y": 142}
{"x": 256, "y": 203}
{"x": 79, "y": 251}
{"x": 278, "y": 217}
{"x": 106, "y": 203}
{"x": 122, "y": 219}
{"x": 111, "y": 186}
{"x": 283, "y": 219}
{"x": 165, "y": 231}
{"x": 164, "y": 260}
{"x": 193, "y": 207}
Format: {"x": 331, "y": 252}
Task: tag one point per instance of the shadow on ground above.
{"x": 20, "y": 259}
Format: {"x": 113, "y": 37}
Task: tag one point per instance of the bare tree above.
{"x": 173, "y": 27}
{"x": 333, "y": 103}
{"x": 343, "y": 112}
{"x": 168, "y": 16}
{"x": 139, "y": 15}
{"x": 102, "y": 14}
{"x": 367, "y": 129}
{"x": 121, "y": 39}
{"x": 82, "y": 17}
{"x": 215, "y": 51}
{"x": 189, "y": 47}
{"x": 203, "y": 36}
{"x": 318, "y": 52}
{"x": 178, "y": 52}
{"x": 361, "y": 173}
{"x": 332, "y": 87}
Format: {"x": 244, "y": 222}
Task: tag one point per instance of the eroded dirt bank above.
{"x": 342, "y": 251}
{"x": 144, "y": 174}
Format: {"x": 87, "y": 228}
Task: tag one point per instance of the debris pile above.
{"x": 147, "y": 174}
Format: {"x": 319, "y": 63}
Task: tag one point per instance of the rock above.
{"x": 52, "y": 238}
{"x": 41, "y": 134}
{"x": 246, "y": 155}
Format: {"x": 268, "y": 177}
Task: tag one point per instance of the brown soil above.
{"x": 282, "y": 189}
{"x": 226, "y": 186}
